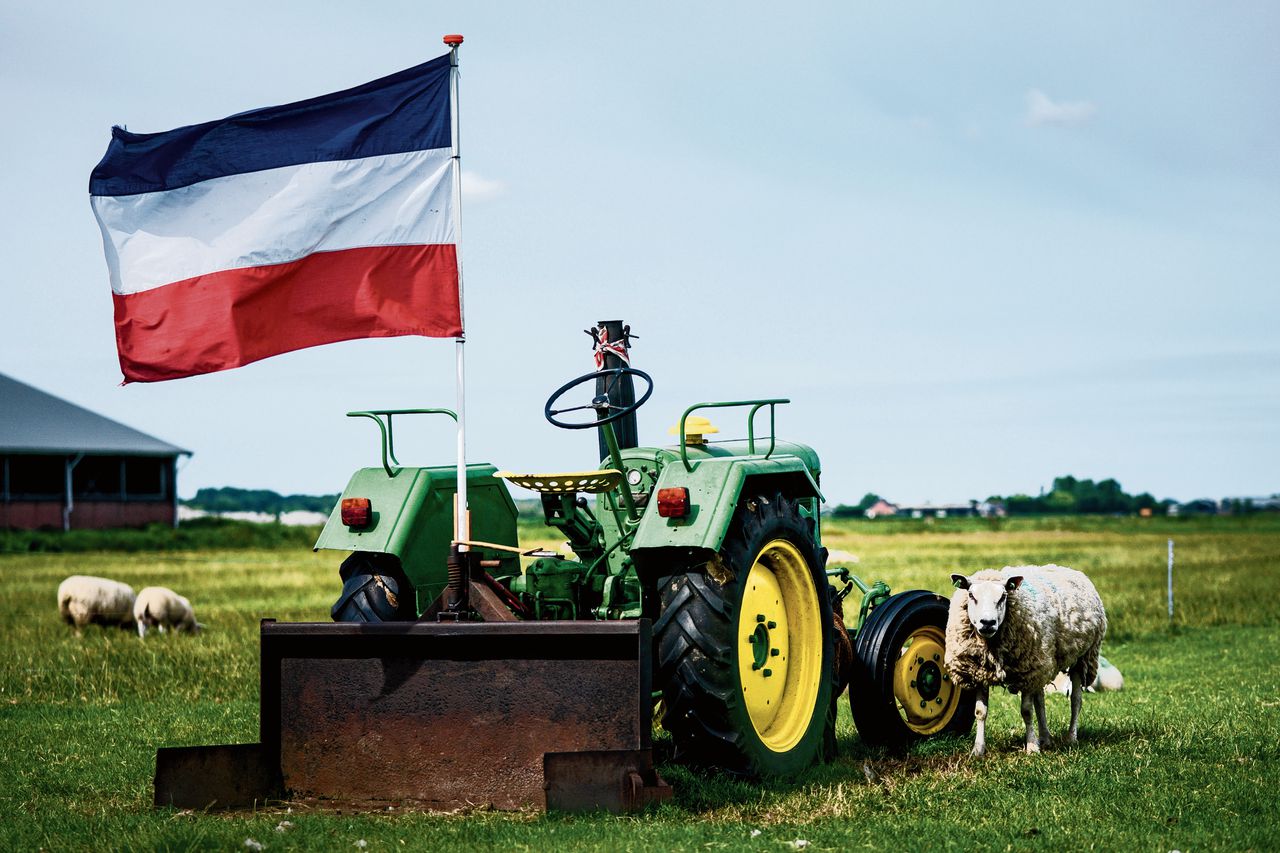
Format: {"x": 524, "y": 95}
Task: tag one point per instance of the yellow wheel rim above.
{"x": 925, "y": 693}
{"x": 780, "y": 645}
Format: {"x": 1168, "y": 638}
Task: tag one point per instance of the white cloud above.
{"x": 478, "y": 188}
{"x": 1041, "y": 109}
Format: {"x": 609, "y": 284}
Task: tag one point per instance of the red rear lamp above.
{"x": 356, "y": 512}
{"x": 673, "y": 502}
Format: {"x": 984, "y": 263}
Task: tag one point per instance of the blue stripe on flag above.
{"x": 406, "y": 111}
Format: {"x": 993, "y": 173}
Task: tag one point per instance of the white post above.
{"x": 1171, "y": 581}
{"x": 462, "y": 529}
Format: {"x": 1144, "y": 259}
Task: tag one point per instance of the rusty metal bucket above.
{"x": 542, "y": 715}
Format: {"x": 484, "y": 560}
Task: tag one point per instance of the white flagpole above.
{"x": 462, "y": 526}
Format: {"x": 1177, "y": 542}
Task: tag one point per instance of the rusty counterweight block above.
{"x": 545, "y": 715}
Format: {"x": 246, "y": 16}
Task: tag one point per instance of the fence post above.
{"x": 1170, "y": 581}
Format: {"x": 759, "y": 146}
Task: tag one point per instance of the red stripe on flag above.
{"x": 234, "y": 317}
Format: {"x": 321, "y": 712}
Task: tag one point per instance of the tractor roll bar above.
{"x": 756, "y": 405}
{"x": 388, "y": 438}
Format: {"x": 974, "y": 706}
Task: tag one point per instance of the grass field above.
{"x": 1187, "y": 757}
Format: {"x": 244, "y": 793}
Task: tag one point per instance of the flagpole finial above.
{"x": 453, "y": 39}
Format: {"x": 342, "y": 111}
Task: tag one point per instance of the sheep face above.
{"x": 988, "y": 602}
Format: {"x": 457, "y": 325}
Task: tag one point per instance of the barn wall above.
{"x": 87, "y": 515}
{"x": 31, "y": 515}
{"x": 108, "y": 491}
{"x": 98, "y": 514}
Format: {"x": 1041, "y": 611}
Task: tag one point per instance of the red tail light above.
{"x": 674, "y": 502}
{"x": 356, "y": 512}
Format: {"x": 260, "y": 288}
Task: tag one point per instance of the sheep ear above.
{"x": 960, "y": 581}
{"x": 1013, "y": 583}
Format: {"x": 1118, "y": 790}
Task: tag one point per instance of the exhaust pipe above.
{"x": 611, "y": 341}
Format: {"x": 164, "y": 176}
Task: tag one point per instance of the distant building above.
{"x": 1244, "y": 505}
{"x": 881, "y": 509}
{"x": 1200, "y": 506}
{"x": 931, "y": 510}
{"x": 992, "y": 509}
{"x": 64, "y": 467}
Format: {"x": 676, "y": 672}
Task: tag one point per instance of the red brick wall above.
{"x": 32, "y": 515}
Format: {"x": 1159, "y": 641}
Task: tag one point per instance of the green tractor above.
{"x": 718, "y": 544}
{"x": 697, "y": 587}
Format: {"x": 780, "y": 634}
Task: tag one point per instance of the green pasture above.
{"x": 1187, "y": 757}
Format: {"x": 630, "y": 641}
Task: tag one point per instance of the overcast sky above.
{"x": 978, "y": 245}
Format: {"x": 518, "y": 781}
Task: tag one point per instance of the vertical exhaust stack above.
{"x": 612, "y": 344}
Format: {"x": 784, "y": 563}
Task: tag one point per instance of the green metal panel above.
{"x": 714, "y": 485}
{"x": 413, "y": 520}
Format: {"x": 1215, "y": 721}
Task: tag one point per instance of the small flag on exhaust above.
{"x": 283, "y": 228}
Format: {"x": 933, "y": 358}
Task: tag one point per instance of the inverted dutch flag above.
{"x": 282, "y": 228}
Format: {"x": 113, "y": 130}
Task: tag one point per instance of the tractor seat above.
{"x": 591, "y": 482}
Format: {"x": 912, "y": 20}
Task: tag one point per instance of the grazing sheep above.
{"x": 85, "y": 600}
{"x": 160, "y": 608}
{"x": 1019, "y": 627}
{"x": 1109, "y": 679}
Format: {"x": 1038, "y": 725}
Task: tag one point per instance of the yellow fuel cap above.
{"x": 695, "y": 427}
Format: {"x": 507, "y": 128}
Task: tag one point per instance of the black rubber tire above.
{"x": 876, "y": 649}
{"x": 697, "y": 664}
{"x": 380, "y": 590}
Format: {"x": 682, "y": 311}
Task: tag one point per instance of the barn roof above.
{"x": 32, "y": 421}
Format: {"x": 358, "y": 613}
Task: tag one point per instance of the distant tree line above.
{"x": 1070, "y": 496}
{"x": 231, "y": 499}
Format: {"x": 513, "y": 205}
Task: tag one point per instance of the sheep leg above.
{"x": 1077, "y": 699}
{"x": 1033, "y": 745}
{"x": 142, "y": 629}
{"x": 980, "y": 718}
{"x": 1038, "y": 699}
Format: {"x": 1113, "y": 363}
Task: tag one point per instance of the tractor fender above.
{"x": 412, "y": 519}
{"x": 715, "y": 485}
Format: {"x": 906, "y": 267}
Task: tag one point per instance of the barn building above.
{"x": 64, "y": 467}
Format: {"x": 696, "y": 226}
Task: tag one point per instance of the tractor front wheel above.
{"x": 744, "y": 649}
{"x": 374, "y": 589}
{"x": 900, "y": 692}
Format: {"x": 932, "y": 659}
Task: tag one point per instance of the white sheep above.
{"x": 85, "y": 600}
{"x": 160, "y": 608}
{"x": 1109, "y": 680}
{"x": 1019, "y": 627}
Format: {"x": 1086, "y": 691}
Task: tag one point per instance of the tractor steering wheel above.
{"x": 600, "y": 403}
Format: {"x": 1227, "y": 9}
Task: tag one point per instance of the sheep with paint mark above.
{"x": 1018, "y": 627}
{"x": 161, "y": 608}
{"x": 88, "y": 600}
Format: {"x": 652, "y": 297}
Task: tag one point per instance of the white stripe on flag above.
{"x": 275, "y": 216}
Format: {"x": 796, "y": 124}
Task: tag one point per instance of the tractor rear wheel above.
{"x": 900, "y": 692}
{"x": 744, "y": 649}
